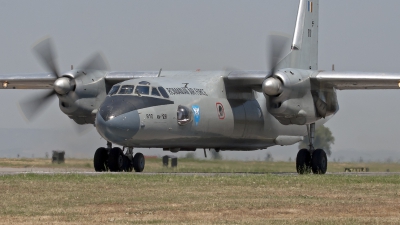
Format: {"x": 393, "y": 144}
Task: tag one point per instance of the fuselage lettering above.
{"x": 186, "y": 91}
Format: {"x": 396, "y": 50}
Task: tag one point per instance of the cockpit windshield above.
{"x": 113, "y": 90}
{"x": 163, "y": 92}
{"x": 142, "y": 90}
{"x": 126, "y": 90}
{"x": 155, "y": 92}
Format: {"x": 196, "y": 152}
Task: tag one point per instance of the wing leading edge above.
{"x": 338, "y": 80}
{"x": 27, "y": 81}
{"x": 325, "y": 79}
{"x": 357, "y": 80}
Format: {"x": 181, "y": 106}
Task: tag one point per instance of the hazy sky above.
{"x": 355, "y": 35}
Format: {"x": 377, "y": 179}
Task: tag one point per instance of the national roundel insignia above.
{"x": 220, "y": 111}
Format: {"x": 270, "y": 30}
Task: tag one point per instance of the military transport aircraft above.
{"x": 189, "y": 110}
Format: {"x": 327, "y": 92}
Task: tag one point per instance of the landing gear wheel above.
{"x": 138, "y": 162}
{"x": 116, "y": 160}
{"x": 127, "y": 163}
{"x": 100, "y": 160}
{"x": 303, "y": 161}
{"x": 319, "y": 162}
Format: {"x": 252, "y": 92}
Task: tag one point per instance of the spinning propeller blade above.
{"x": 277, "y": 44}
{"x": 96, "y": 62}
{"x": 33, "y": 106}
{"x": 44, "y": 51}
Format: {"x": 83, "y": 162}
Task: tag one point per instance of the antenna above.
{"x": 333, "y": 67}
{"x": 159, "y": 73}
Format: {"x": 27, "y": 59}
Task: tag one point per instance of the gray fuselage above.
{"x": 196, "y": 113}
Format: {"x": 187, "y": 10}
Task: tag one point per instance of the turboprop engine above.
{"x": 80, "y": 92}
{"x": 295, "y": 99}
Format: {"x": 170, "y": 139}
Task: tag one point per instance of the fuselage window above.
{"x": 126, "y": 90}
{"x": 113, "y": 90}
{"x": 163, "y": 92}
{"x": 142, "y": 90}
{"x": 155, "y": 92}
{"x": 183, "y": 115}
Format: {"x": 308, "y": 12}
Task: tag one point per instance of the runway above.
{"x": 54, "y": 171}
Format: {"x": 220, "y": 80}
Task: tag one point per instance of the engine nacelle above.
{"x": 88, "y": 91}
{"x": 293, "y": 99}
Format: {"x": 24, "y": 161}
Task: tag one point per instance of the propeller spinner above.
{"x": 273, "y": 86}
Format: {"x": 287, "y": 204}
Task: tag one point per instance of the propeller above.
{"x": 44, "y": 50}
{"x": 277, "y": 42}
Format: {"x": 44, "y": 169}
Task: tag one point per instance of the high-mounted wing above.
{"x": 245, "y": 78}
{"x": 27, "y": 81}
{"x": 46, "y": 80}
{"x": 325, "y": 79}
{"x": 119, "y": 76}
{"x": 357, "y": 80}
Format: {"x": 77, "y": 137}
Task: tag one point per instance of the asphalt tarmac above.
{"x": 32, "y": 170}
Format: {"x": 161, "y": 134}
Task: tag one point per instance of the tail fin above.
{"x": 304, "y": 52}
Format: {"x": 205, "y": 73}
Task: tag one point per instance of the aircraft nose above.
{"x": 118, "y": 129}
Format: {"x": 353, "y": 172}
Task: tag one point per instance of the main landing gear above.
{"x": 114, "y": 160}
{"x": 311, "y": 159}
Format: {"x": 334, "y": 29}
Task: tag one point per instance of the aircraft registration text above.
{"x": 162, "y": 116}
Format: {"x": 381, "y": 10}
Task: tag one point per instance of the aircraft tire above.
{"x": 116, "y": 160}
{"x": 128, "y": 167}
{"x": 100, "y": 160}
{"x": 138, "y": 162}
{"x": 319, "y": 162}
{"x": 303, "y": 161}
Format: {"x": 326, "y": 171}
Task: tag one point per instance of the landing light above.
{"x": 5, "y": 84}
{"x": 399, "y": 84}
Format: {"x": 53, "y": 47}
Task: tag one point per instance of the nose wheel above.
{"x": 308, "y": 160}
{"x": 303, "y": 161}
{"x": 138, "y": 162}
{"x": 115, "y": 160}
{"x": 100, "y": 160}
{"x": 319, "y": 162}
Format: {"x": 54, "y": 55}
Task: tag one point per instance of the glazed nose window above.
{"x": 142, "y": 90}
{"x": 155, "y": 92}
{"x": 113, "y": 90}
{"x": 183, "y": 115}
{"x": 126, "y": 90}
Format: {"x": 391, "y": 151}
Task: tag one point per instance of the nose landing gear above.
{"x": 100, "y": 160}
{"x": 115, "y": 160}
{"x": 309, "y": 159}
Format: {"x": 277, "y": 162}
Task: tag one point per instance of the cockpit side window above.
{"x": 163, "y": 92}
{"x": 126, "y": 89}
{"x": 113, "y": 90}
{"x": 183, "y": 115}
{"x": 142, "y": 90}
{"x": 155, "y": 92}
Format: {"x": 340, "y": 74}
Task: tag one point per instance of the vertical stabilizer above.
{"x": 304, "y": 52}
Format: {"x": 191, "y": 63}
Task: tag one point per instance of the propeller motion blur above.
{"x": 189, "y": 110}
